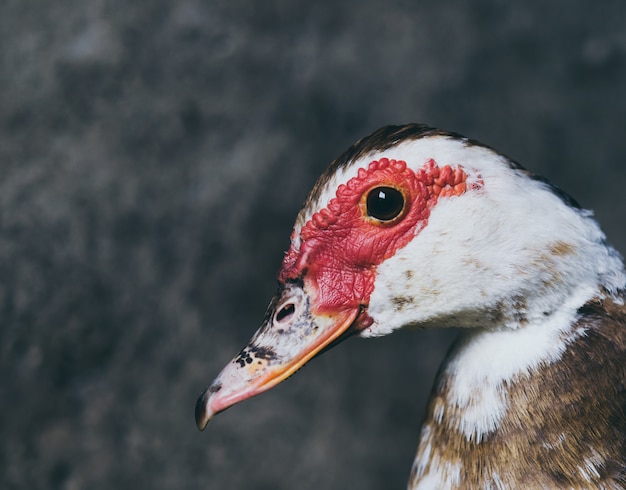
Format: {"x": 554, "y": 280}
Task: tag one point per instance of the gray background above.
{"x": 153, "y": 156}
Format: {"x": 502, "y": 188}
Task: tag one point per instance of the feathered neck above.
{"x": 554, "y": 421}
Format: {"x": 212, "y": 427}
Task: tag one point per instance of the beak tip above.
{"x": 203, "y": 413}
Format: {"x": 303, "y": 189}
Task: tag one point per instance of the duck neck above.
{"x": 535, "y": 407}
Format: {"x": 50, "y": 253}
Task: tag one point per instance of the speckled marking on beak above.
{"x": 290, "y": 336}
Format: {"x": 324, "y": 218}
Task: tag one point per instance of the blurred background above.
{"x": 153, "y": 156}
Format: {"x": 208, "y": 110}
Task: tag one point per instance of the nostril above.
{"x": 215, "y": 387}
{"x": 285, "y": 313}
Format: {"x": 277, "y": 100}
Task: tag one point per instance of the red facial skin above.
{"x": 341, "y": 246}
{"x": 339, "y": 250}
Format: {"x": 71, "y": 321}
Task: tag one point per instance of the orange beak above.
{"x": 290, "y": 336}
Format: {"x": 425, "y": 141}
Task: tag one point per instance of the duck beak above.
{"x": 291, "y": 335}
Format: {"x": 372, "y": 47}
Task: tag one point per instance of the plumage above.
{"x": 414, "y": 226}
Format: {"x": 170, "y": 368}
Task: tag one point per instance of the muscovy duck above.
{"x": 414, "y": 226}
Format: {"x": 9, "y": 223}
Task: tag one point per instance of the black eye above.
{"x": 384, "y": 203}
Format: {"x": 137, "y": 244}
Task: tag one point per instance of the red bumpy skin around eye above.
{"x": 340, "y": 246}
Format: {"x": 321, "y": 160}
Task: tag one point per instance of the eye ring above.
{"x": 385, "y": 205}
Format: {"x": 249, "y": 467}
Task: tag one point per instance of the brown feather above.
{"x": 559, "y": 417}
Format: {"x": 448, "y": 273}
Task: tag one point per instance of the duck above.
{"x": 413, "y": 226}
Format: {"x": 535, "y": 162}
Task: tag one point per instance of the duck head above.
{"x": 413, "y": 226}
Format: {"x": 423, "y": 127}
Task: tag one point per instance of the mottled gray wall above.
{"x": 153, "y": 156}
